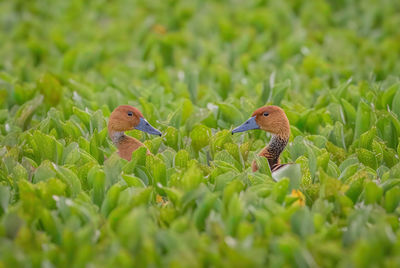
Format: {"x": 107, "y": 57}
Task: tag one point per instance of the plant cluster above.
{"x": 196, "y": 69}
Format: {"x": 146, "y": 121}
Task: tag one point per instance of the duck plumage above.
{"x": 271, "y": 119}
{"x": 124, "y": 118}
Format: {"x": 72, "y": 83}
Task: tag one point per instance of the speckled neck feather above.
{"x": 274, "y": 150}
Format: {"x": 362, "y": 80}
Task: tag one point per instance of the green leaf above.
{"x": 356, "y": 188}
{"x": 191, "y": 80}
{"x": 389, "y": 184}
{"x": 263, "y": 165}
{"x": 191, "y": 178}
{"x": 226, "y": 157}
{"x": 94, "y": 148}
{"x": 139, "y": 156}
{"x": 349, "y": 111}
{"x": 11, "y": 224}
{"x": 224, "y": 81}
{"x": 3, "y": 115}
{"x": 26, "y": 111}
{"x": 111, "y": 199}
{"x": 44, "y": 172}
{"x": 386, "y": 99}
{"x": 187, "y": 109}
{"x": 4, "y": 198}
{"x": 280, "y": 90}
{"x": 158, "y": 170}
{"x": 302, "y": 222}
{"x": 97, "y": 121}
{"x": 50, "y": 225}
{"x": 133, "y": 181}
{"x": 97, "y": 179}
{"x": 387, "y": 131}
{"x": 174, "y": 195}
{"x": 171, "y": 135}
{"x": 230, "y": 114}
{"x": 366, "y": 138}
{"x": 70, "y": 179}
{"x": 363, "y": 119}
{"x": 338, "y": 136}
{"x": 203, "y": 210}
{"x": 290, "y": 171}
{"x": 47, "y": 147}
{"x": 181, "y": 159}
{"x": 280, "y": 190}
{"x": 373, "y": 193}
{"x": 396, "y": 103}
{"x": 392, "y": 199}
{"x": 219, "y": 140}
{"x": 51, "y": 88}
{"x": 348, "y": 172}
{"x": 367, "y": 158}
{"x": 83, "y": 116}
{"x": 235, "y": 186}
{"x": 266, "y": 90}
{"x": 200, "y": 137}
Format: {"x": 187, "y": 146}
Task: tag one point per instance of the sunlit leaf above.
{"x": 200, "y": 136}
{"x": 364, "y": 119}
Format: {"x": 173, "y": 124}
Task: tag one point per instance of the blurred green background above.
{"x": 196, "y": 69}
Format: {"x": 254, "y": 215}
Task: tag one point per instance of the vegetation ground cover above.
{"x": 196, "y": 69}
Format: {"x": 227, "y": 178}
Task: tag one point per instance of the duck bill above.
{"x": 248, "y": 125}
{"x": 146, "y": 127}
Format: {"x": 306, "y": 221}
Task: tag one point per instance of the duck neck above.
{"x": 117, "y": 136}
{"x": 274, "y": 149}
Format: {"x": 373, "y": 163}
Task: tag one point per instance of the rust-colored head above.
{"x": 126, "y": 117}
{"x": 123, "y": 118}
{"x": 269, "y": 118}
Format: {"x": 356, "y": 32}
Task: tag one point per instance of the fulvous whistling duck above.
{"x": 271, "y": 119}
{"x": 124, "y": 118}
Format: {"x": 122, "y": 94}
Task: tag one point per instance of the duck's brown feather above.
{"x": 127, "y": 145}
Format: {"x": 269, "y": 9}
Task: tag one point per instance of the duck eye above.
{"x": 266, "y": 114}
{"x": 130, "y": 114}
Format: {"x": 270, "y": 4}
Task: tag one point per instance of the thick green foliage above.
{"x": 196, "y": 69}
